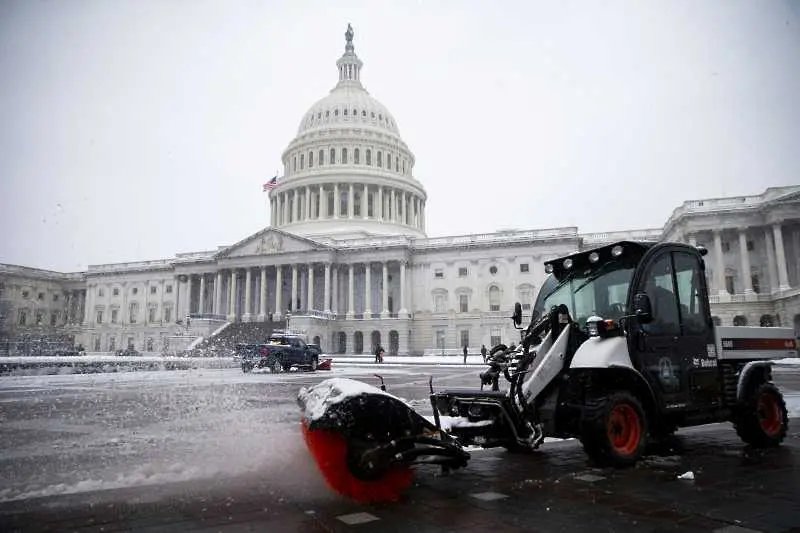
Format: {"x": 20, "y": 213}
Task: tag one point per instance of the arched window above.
{"x": 369, "y": 156}
{"x": 494, "y": 298}
{"x": 379, "y": 158}
{"x": 767, "y": 321}
{"x": 739, "y": 320}
{"x": 356, "y": 156}
{"x": 310, "y": 159}
{"x": 389, "y": 161}
{"x": 321, "y": 157}
{"x": 332, "y": 159}
{"x": 344, "y": 156}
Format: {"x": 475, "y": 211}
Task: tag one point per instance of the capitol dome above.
{"x": 348, "y": 147}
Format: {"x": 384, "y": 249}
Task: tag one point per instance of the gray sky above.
{"x": 134, "y": 130}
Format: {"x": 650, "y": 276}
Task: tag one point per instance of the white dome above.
{"x": 348, "y": 104}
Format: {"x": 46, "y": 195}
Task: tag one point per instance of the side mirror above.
{"x": 517, "y": 316}
{"x": 642, "y": 307}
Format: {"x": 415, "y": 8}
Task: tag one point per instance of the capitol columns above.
{"x": 248, "y": 290}
{"x": 719, "y": 265}
{"x": 308, "y": 202}
{"x": 385, "y": 309}
{"x": 202, "y": 304}
{"x": 744, "y": 256}
{"x": 403, "y": 310}
{"x": 262, "y": 300}
{"x": 310, "y": 286}
{"x": 783, "y": 276}
{"x": 232, "y": 297}
{"x": 771, "y": 263}
{"x": 351, "y": 289}
{"x": 278, "y": 292}
{"x": 326, "y": 305}
{"x": 379, "y": 204}
{"x": 368, "y": 290}
{"x": 335, "y": 295}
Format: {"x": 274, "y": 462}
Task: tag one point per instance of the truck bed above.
{"x": 753, "y": 342}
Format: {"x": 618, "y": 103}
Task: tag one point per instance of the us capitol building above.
{"x": 346, "y": 258}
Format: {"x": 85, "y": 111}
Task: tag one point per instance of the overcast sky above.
{"x": 135, "y": 130}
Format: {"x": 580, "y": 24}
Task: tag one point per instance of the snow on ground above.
{"x": 789, "y": 361}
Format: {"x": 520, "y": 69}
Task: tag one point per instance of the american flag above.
{"x": 268, "y": 186}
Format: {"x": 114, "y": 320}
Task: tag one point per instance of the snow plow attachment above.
{"x": 365, "y": 441}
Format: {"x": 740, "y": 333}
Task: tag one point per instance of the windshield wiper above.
{"x": 600, "y": 271}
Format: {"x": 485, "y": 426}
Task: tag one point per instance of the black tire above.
{"x": 763, "y": 421}
{"x": 614, "y": 429}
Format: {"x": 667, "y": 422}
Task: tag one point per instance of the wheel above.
{"x": 275, "y": 366}
{"x": 614, "y": 429}
{"x": 764, "y": 420}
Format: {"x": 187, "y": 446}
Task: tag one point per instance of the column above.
{"x": 368, "y": 290}
{"x": 719, "y": 264}
{"x": 379, "y": 204}
{"x": 326, "y": 306}
{"x": 285, "y": 200}
{"x": 295, "y": 206}
{"x": 308, "y": 202}
{"x": 310, "y": 286}
{"x": 393, "y": 208}
{"x": 231, "y": 296}
{"x": 335, "y": 295}
{"x": 202, "y": 304}
{"x": 385, "y": 311}
{"x": 87, "y": 306}
{"x": 351, "y": 211}
{"x": 351, "y": 292}
{"x": 218, "y": 294}
{"x": 365, "y": 202}
{"x": 248, "y": 290}
{"x": 278, "y": 292}
{"x": 745, "y": 258}
{"x": 403, "y": 310}
{"x": 188, "y": 295}
{"x": 262, "y": 301}
{"x": 294, "y": 288}
{"x": 323, "y": 202}
{"x": 783, "y": 275}
{"x": 403, "y": 207}
{"x": 337, "y": 201}
{"x": 161, "y": 301}
{"x": 279, "y": 209}
{"x": 771, "y": 263}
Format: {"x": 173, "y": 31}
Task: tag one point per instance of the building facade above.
{"x": 346, "y": 258}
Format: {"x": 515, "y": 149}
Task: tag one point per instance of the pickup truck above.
{"x": 280, "y": 353}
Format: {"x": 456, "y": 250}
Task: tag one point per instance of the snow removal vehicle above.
{"x": 621, "y": 349}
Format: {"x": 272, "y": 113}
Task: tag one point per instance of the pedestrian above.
{"x": 379, "y": 354}
{"x": 465, "y": 354}
{"x": 483, "y": 352}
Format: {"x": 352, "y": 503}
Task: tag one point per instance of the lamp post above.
{"x": 288, "y": 318}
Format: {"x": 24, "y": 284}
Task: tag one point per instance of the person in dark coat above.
{"x": 465, "y": 354}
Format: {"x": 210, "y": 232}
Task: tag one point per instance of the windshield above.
{"x": 603, "y": 296}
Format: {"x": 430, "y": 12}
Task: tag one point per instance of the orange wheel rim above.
{"x": 624, "y": 429}
{"x": 769, "y": 415}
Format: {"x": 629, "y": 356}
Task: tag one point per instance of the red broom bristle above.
{"x": 329, "y": 450}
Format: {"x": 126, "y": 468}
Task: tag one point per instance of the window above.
{"x": 169, "y": 289}
{"x": 687, "y": 276}
{"x": 370, "y": 206}
{"x": 440, "y": 303}
{"x": 114, "y": 316}
{"x": 440, "y": 339}
{"x": 151, "y": 314}
{"x": 524, "y": 267}
{"x": 115, "y": 292}
{"x": 356, "y": 156}
{"x": 332, "y": 158}
{"x": 730, "y": 284}
{"x": 99, "y": 317}
{"x": 464, "y": 337}
{"x": 153, "y": 289}
{"x": 343, "y": 203}
{"x": 130, "y": 342}
{"x": 750, "y": 246}
{"x": 494, "y": 336}
{"x": 54, "y": 318}
{"x": 726, "y": 246}
{"x": 135, "y": 290}
{"x": 321, "y": 158}
{"x": 389, "y": 161}
{"x": 357, "y": 203}
{"x": 492, "y": 270}
{"x": 22, "y": 319}
{"x": 379, "y": 157}
{"x": 112, "y": 344}
{"x": 462, "y": 272}
{"x": 658, "y": 286}
{"x": 344, "y": 156}
{"x": 302, "y": 161}
{"x": 25, "y": 294}
{"x": 97, "y": 344}
{"x": 39, "y": 317}
{"x": 755, "y": 282}
{"x": 494, "y": 298}
{"x": 369, "y": 156}
{"x": 438, "y": 273}
{"x": 167, "y": 314}
{"x": 134, "y": 312}
{"x": 463, "y": 303}
{"x": 310, "y": 159}
{"x": 149, "y": 344}
{"x": 40, "y": 296}
{"x": 526, "y": 297}
{"x": 55, "y": 297}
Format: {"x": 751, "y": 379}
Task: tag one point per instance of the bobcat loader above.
{"x": 621, "y": 349}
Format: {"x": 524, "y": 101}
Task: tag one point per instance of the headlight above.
{"x": 599, "y": 327}
{"x": 594, "y": 257}
{"x": 567, "y": 263}
{"x": 548, "y": 268}
{"x": 616, "y": 251}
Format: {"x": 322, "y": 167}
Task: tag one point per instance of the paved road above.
{"x": 217, "y": 450}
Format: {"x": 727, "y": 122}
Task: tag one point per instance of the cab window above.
{"x": 659, "y": 287}
{"x": 687, "y": 276}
